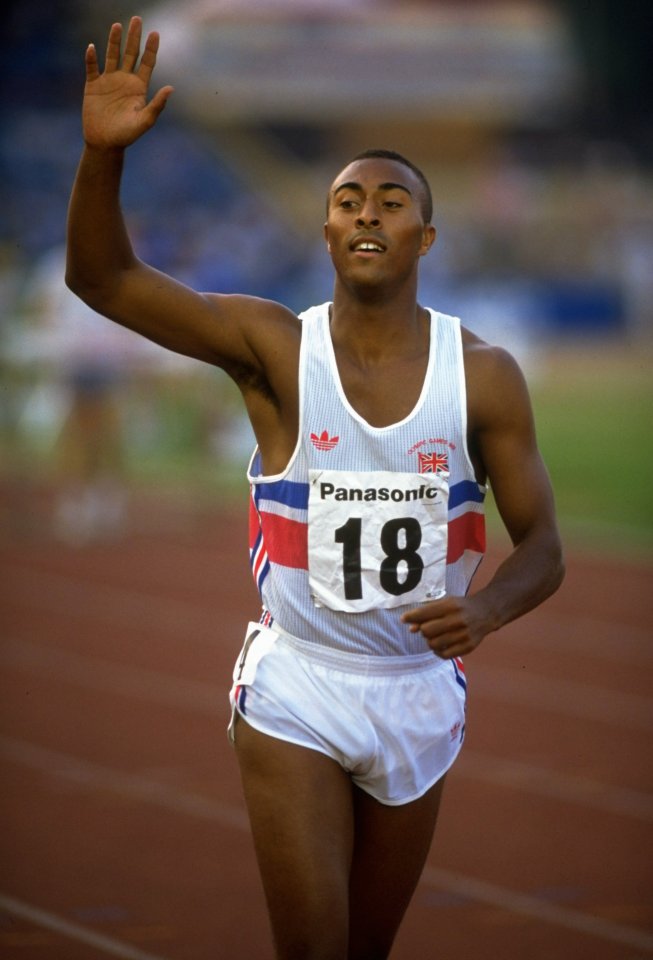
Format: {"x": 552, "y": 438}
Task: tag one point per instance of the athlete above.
{"x": 379, "y": 425}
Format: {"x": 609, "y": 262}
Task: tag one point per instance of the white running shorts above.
{"x": 396, "y": 724}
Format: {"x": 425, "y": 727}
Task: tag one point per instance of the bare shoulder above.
{"x": 251, "y": 312}
{"x": 266, "y": 334}
{"x": 496, "y": 386}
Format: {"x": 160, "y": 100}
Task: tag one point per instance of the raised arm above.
{"x": 102, "y": 267}
{"x": 503, "y": 444}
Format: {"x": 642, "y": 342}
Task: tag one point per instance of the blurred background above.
{"x": 533, "y": 121}
{"x": 124, "y": 585}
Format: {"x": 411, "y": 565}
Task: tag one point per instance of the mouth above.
{"x": 367, "y": 246}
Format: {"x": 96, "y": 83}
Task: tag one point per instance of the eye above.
{"x": 347, "y": 204}
{"x": 392, "y": 204}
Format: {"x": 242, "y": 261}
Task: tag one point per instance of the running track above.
{"x": 123, "y": 830}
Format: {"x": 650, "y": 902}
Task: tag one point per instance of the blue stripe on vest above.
{"x": 463, "y": 492}
{"x": 288, "y": 492}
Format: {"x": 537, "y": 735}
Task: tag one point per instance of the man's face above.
{"x": 375, "y": 229}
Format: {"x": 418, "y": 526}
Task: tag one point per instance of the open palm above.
{"x": 115, "y": 110}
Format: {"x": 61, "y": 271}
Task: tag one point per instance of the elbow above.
{"x": 74, "y": 281}
{"x": 94, "y": 295}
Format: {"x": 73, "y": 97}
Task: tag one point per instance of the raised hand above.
{"x": 116, "y": 111}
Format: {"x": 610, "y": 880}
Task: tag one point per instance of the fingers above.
{"x": 112, "y": 58}
{"x": 435, "y": 610}
{"x": 449, "y": 643}
{"x": 445, "y": 625}
{"x": 158, "y": 102}
{"x": 131, "y": 52}
{"x": 133, "y": 43}
{"x": 148, "y": 60}
{"x": 92, "y": 69}
{"x": 452, "y": 650}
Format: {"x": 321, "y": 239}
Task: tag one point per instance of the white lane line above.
{"x": 515, "y": 902}
{"x": 513, "y": 774}
{"x": 95, "y": 776}
{"x": 51, "y": 921}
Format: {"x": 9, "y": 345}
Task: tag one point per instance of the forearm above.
{"x": 454, "y": 626}
{"x": 98, "y": 247}
{"x": 531, "y": 573}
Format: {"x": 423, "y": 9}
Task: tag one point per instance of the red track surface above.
{"x": 123, "y": 828}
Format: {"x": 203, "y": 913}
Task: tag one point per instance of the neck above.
{"x": 372, "y": 329}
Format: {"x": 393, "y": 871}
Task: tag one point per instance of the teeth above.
{"x": 369, "y": 246}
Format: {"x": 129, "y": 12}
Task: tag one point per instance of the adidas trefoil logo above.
{"x": 324, "y": 441}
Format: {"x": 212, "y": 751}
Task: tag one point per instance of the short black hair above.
{"x": 381, "y": 154}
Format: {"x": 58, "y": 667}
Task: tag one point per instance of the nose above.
{"x": 368, "y": 215}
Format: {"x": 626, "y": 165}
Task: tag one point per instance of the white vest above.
{"x": 367, "y": 522}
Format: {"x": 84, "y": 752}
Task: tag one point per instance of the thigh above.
{"x": 390, "y": 849}
{"x": 300, "y": 805}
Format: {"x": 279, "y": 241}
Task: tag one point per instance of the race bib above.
{"x": 376, "y": 539}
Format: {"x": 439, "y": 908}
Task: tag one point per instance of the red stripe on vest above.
{"x": 286, "y": 541}
{"x": 466, "y": 532}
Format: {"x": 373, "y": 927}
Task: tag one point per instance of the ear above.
{"x": 326, "y": 236}
{"x": 428, "y": 239}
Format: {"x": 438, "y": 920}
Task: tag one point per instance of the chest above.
{"x": 383, "y": 394}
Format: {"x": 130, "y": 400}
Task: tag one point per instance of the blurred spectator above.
{"x": 88, "y": 359}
